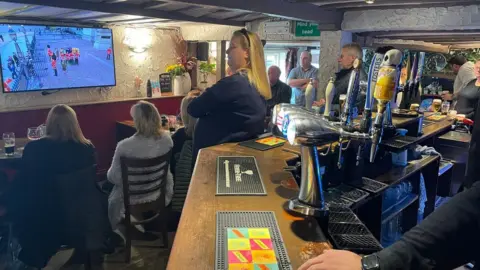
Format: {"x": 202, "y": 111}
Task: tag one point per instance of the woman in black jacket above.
{"x": 35, "y": 203}
{"x": 234, "y": 108}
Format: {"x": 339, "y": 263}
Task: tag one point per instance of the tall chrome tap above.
{"x": 352, "y": 93}
{"x": 366, "y": 123}
{"x": 310, "y": 130}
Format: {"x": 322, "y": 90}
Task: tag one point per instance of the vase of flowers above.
{"x": 182, "y": 82}
{"x": 177, "y": 72}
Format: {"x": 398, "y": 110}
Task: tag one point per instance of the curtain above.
{"x": 291, "y": 61}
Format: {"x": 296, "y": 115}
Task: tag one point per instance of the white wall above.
{"x": 331, "y": 43}
{"x": 128, "y": 65}
{"x": 207, "y": 32}
{"x": 441, "y": 18}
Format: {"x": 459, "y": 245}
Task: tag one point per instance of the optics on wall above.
{"x": 370, "y": 1}
{"x": 138, "y": 39}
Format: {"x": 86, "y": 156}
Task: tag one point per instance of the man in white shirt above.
{"x": 465, "y": 74}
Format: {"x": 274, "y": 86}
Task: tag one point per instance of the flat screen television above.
{"x": 41, "y": 57}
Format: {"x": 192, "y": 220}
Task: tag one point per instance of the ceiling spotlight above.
{"x": 370, "y": 1}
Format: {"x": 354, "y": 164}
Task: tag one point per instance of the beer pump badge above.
{"x": 286, "y": 121}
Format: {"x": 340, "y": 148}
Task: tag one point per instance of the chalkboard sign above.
{"x": 165, "y": 83}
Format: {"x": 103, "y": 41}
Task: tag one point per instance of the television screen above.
{"x": 38, "y": 58}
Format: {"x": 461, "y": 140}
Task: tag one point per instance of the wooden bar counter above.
{"x": 194, "y": 246}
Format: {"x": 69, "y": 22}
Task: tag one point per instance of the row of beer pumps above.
{"x": 310, "y": 130}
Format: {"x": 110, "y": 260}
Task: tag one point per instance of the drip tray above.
{"x": 370, "y": 185}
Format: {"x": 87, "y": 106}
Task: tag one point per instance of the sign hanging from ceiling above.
{"x": 306, "y": 29}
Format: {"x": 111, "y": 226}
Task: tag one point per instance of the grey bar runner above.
{"x": 238, "y": 175}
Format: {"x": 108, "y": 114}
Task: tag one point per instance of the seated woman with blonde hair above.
{"x": 149, "y": 141}
{"x": 36, "y": 205}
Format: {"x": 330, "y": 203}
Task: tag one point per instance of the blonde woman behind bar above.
{"x": 234, "y": 108}
{"x": 148, "y": 142}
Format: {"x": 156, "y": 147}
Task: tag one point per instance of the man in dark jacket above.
{"x": 281, "y": 92}
{"x": 350, "y": 52}
{"x": 448, "y": 238}
{"x": 473, "y": 170}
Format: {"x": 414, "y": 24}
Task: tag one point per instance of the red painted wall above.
{"x": 96, "y": 120}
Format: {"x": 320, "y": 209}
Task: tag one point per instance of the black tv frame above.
{"x": 68, "y": 88}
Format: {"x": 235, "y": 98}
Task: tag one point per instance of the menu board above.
{"x": 165, "y": 83}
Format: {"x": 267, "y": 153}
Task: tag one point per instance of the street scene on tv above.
{"x": 45, "y": 57}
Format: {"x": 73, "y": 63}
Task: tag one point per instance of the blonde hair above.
{"x": 147, "y": 119}
{"x": 256, "y": 69}
{"x": 62, "y": 125}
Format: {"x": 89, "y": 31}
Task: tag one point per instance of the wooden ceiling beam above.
{"x": 401, "y": 4}
{"x": 399, "y": 33}
{"x": 284, "y": 9}
{"x": 127, "y": 9}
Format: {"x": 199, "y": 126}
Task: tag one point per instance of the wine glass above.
{"x": 33, "y": 133}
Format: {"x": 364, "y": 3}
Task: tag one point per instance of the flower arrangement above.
{"x": 176, "y": 70}
{"x": 184, "y": 65}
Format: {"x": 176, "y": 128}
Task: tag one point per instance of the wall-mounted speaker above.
{"x": 202, "y": 51}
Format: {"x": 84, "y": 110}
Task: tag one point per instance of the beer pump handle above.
{"x": 329, "y": 94}
{"x": 309, "y": 95}
{"x": 352, "y": 92}
{"x": 366, "y": 123}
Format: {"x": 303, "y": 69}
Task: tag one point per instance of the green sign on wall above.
{"x": 306, "y": 29}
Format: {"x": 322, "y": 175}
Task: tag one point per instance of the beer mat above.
{"x": 249, "y": 240}
{"x": 404, "y": 113}
{"x": 264, "y": 143}
{"x": 436, "y": 117}
{"x": 238, "y": 175}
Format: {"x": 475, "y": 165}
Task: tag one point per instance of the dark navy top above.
{"x": 232, "y": 110}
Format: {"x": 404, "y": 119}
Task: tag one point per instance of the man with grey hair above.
{"x": 299, "y": 78}
{"x": 349, "y": 53}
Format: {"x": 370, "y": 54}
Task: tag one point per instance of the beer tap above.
{"x": 329, "y": 94}
{"x": 346, "y": 118}
{"x": 384, "y": 92}
{"x": 309, "y": 95}
{"x": 352, "y": 93}
{"x": 366, "y": 123}
{"x": 310, "y": 132}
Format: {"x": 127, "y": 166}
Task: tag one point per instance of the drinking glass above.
{"x": 172, "y": 123}
{"x": 9, "y": 143}
{"x": 445, "y": 107}
{"x": 436, "y": 105}
{"x": 33, "y": 133}
{"x": 342, "y": 102}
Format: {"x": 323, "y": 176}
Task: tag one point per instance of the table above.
{"x": 194, "y": 246}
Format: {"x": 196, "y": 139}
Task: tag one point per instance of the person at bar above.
{"x": 466, "y": 98}
{"x": 149, "y": 141}
{"x": 281, "y": 92}
{"x": 464, "y": 71}
{"x": 186, "y": 132}
{"x": 446, "y": 239}
{"x": 234, "y": 109}
{"x": 473, "y": 170}
{"x": 34, "y": 204}
{"x": 349, "y": 53}
{"x": 300, "y": 77}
